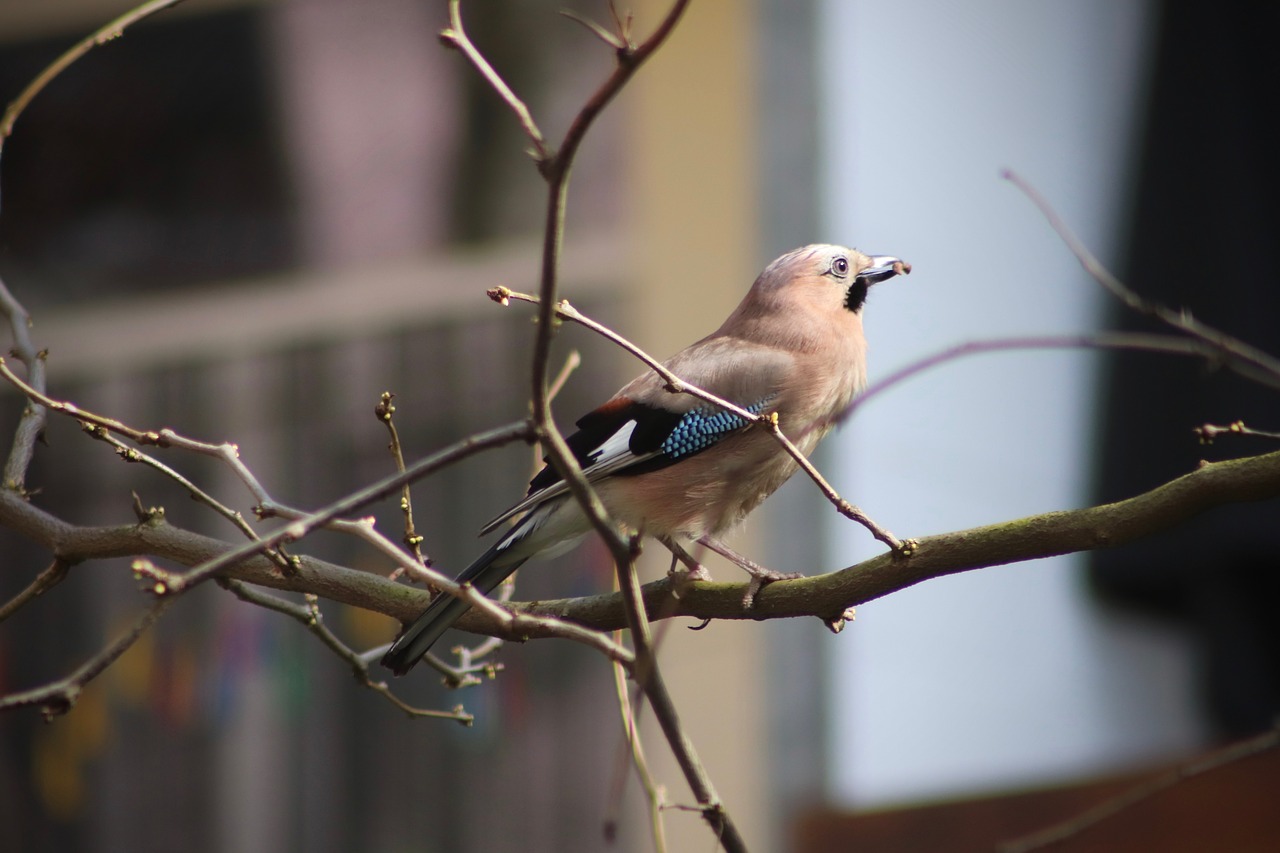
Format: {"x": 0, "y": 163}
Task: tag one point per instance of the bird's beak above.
{"x": 882, "y": 268}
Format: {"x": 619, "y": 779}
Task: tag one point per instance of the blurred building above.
{"x": 246, "y": 220}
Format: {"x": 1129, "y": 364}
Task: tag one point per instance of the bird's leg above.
{"x": 759, "y": 574}
{"x": 694, "y": 571}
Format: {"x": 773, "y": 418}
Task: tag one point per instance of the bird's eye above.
{"x": 840, "y": 267}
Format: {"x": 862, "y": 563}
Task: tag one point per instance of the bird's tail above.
{"x": 484, "y": 574}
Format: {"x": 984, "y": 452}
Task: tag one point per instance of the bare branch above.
{"x": 655, "y": 794}
{"x": 110, "y": 31}
{"x": 299, "y": 528}
{"x": 1208, "y": 432}
{"x": 629, "y": 61}
{"x": 310, "y": 618}
{"x": 33, "y": 416}
{"x": 1130, "y": 341}
{"x": 613, "y": 40}
{"x": 1064, "y": 532}
{"x": 60, "y": 696}
{"x": 385, "y": 411}
{"x": 43, "y": 582}
{"x": 1242, "y": 357}
{"x": 1264, "y": 742}
{"x": 556, "y": 172}
{"x": 133, "y": 454}
{"x": 676, "y": 385}
{"x": 822, "y": 596}
{"x": 649, "y": 680}
{"x": 456, "y": 37}
{"x": 571, "y": 363}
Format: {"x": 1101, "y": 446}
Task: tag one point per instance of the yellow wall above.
{"x": 693, "y": 225}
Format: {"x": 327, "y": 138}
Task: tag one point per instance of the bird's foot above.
{"x": 693, "y": 570}
{"x": 760, "y": 576}
{"x": 689, "y": 573}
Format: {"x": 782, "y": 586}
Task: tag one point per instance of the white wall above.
{"x": 1006, "y": 676}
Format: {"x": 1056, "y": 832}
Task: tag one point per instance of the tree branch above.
{"x": 60, "y": 696}
{"x": 385, "y": 412}
{"x": 1244, "y": 358}
{"x": 102, "y": 35}
{"x": 822, "y": 596}
{"x": 827, "y": 596}
{"x": 1257, "y": 745}
{"x": 33, "y": 417}
{"x": 456, "y": 37}
{"x": 309, "y": 616}
{"x": 45, "y": 581}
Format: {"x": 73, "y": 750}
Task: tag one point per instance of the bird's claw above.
{"x": 689, "y": 574}
{"x": 760, "y": 576}
{"x": 681, "y": 577}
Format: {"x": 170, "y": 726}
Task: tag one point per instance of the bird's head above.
{"x": 831, "y": 276}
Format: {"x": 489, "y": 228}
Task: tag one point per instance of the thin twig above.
{"x": 611, "y": 39}
{"x": 226, "y": 452}
{"x": 102, "y": 35}
{"x": 1212, "y": 484}
{"x": 43, "y": 582}
{"x": 629, "y": 59}
{"x": 1264, "y": 742}
{"x": 32, "y": 422}
{"x": 1129, "y": 341}
{"x": 571, "y": 363}
{"x": 456, "y": 37}
{"x": 630, "y": 708}
{"x": 102, "y": 428}
{"x": 556, "y": 171}
{"x": 1242, "y": 357}
{"x": 60, "y": 696}
{"x": 133, "y": 454}
{"x": 299, "y": 528}
{"x": 470, "y": 658}
{"x": 310, "y": 617}
{"x": 1208, "y": 432}
{"x": 649, "y": 680}
{"x": 385, "y": 412}
{"x": 655, "y": 794}
{"x": 676, "y": 385}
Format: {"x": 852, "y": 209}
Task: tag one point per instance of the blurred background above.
{"x": 245, "y": 220}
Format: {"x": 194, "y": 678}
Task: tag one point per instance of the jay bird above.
{"x": 676, "y": 467}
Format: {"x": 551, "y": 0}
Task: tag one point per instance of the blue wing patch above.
{"x": 636, "y": 438}
{"x": 703, "y": 427}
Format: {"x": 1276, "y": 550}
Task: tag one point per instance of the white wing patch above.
{"x": 613, "y": 454}
{"x": 618, "y": 444}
